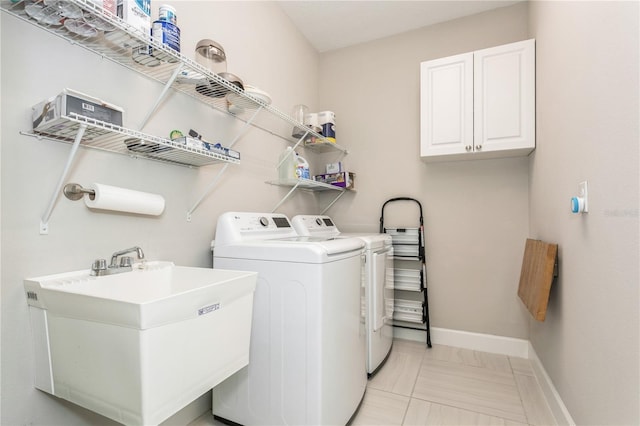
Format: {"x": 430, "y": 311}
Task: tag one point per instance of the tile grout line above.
{"x": 513, "y": 374}
{"x": 415, "y": 380}
{"x": 522, "y": 402}
{"x": 506, "y": 419}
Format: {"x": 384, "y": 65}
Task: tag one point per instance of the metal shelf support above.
{"x": 162, "y": 95}
{"x": 333, "y": 202}
{"x": 286, "y": 197}
{"x": 224, "y": 169}
{"x": 245, "y": 127}
{"x": 207, "y": 191}
{"x": 44, "y": 222}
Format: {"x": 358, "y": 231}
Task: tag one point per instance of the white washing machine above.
{"x": 377, "y": 279}
{"x": 307, "y": 355}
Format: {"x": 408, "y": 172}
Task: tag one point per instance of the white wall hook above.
{"x": 580, "y": 203}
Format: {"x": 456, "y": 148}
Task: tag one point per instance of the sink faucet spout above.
{"x": 135, "y": 249}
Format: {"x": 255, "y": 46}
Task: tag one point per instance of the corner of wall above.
{"x": 551, "y": 395}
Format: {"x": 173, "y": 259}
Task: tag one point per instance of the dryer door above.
{"x": 389, "y": 287}
{"x": 380, "y": 290}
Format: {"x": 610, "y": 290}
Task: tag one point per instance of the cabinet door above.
{"x": 504, "y": 98}
{"x": 446, "y": 105}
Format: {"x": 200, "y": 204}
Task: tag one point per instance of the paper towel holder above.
{"x": 75, "y": 192}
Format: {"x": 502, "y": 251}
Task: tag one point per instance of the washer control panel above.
{"x": 238, "y": 226}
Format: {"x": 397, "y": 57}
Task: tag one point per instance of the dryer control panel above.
{"x": 314, "y": 225}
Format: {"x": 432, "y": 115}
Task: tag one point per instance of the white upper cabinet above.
{"x": 479, "y": 104}
{"x": 447, "y": 105}
{"x": 504, "y": 98}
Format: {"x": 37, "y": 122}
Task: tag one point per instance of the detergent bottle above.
{"x": 287, "y": 164}
{"x": 302, "y": 167}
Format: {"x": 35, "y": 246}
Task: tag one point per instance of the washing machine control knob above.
{"x": 264, "y": 221}
{"x": 319, "y": 221}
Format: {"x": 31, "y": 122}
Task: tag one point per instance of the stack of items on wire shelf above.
{"x": 335, "y": 175}
{"x": 61, "y": 117}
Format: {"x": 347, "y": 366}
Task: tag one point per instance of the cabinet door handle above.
{"x": 468, "y": 147}
{"x": 478, "y": 147}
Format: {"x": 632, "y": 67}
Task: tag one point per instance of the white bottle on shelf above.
{"x": 287, "y": 164}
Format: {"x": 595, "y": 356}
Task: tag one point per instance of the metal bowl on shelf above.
{"x": 145, "y": 147}
{"x": 216, "y": 90}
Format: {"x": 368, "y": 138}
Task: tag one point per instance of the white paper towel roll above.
{"x": 124, "y": 200}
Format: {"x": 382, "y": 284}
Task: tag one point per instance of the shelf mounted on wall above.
{"x": 174, "y": 71}
{"x": 306, "y": 185}
{"x": 90, "y": 133}
{"x": 170, "y": 68}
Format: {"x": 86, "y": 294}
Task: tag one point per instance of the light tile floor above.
{"x": 444, "y": 385}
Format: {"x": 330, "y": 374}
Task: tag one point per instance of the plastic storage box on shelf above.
{"x": 48, "y": 115}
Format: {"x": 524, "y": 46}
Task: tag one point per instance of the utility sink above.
{"x": 152, "y": 294}
{"x": 138, "y": 346}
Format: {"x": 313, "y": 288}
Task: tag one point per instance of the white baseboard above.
{"x": 499, "y": 345}
{"x": 559, "y": 410}
{"x": 464, "y": 339}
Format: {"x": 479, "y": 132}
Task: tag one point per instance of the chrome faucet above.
{"x": 99, "y": 267}
{"x": 127, "y": 259}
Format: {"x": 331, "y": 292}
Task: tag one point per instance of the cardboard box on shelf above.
{"x": 136, "y": 13}
{"x": 342, "y": 179}
{"x": 334, "y": 167}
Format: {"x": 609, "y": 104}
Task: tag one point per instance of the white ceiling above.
{"x": 331, "y": 25}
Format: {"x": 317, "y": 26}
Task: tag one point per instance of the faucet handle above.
{"x": 126, "y": 261}
{"x": 98, "y": 266}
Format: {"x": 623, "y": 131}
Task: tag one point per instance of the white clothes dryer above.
{"x": 307, "y": 354}
{"x": 377, "y": 280}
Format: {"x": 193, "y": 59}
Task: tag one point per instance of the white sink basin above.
{"x": 152, "y": 294}
{"x": 138, "y": 346}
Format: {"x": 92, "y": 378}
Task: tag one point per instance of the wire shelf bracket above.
{"x": 213, "y": 183}
{"x": 44, "y": 221}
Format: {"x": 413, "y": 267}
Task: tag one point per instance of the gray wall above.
{"x": 587, "y": 123}
{"x": 35, "y": 66}
{"x": 476, "y": 212}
